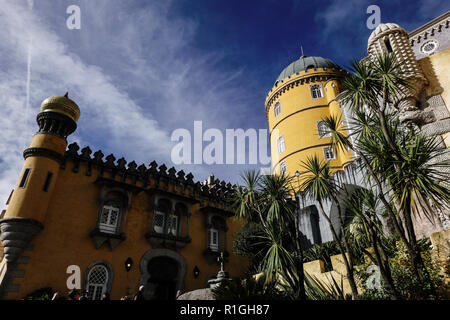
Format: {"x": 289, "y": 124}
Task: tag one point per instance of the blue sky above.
{"x": 141, "y": 69}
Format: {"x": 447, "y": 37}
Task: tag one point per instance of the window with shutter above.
{"x": 328, "y": 153}
{"x": 109, "y": 219}
{"x": 173, "y": 225}
{"x": 281, "y": 145}
{"x": 316, "y": 91}
{"x": 277, "y": 109}
{"x": 213, "y": 239}
{"x": 158, "y": 221}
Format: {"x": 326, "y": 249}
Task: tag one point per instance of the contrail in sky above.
{"x": 27, "y": 102}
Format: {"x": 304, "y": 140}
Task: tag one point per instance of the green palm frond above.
{"x": 336, "y": 128}
{"x": 316, "y": 181}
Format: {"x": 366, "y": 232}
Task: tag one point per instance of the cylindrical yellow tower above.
{"x": 302, "y": 96}
{"x": 27, "y": 208}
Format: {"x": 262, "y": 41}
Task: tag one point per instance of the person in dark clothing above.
{"x": 140, "y": 294}
{"x": 84, "y": 295}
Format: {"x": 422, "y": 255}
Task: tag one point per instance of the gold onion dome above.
{"x": 62, "y": 105}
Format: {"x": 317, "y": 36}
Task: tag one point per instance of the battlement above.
{"x": 141, "y": 175}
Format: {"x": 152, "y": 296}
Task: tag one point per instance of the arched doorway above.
{"x": 163, "y": 273}
{"x": 161, "y": 285}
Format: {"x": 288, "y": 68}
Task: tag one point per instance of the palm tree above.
{"x": 317, "y": 184}
{"x": 373, "y": 89}
{"x": 267, "y": 199}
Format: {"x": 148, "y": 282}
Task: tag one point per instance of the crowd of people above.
{"x": 75, "y": 295}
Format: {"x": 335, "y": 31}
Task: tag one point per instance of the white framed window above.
{"x": 213, "y": 239}
{"x": 328, "y": 153}
{"x": 158, "y": 221}
{"x": 316, "y": 91}
{"x": 109, "y": 219}
{"x": 281, "y": 145}
{"x": 172, "y": 225}
{"x": 277, "y": 109}
{"x": 283, "y": 168}
{"x": 97, "y": 280}
{"x": 323, "y": 129}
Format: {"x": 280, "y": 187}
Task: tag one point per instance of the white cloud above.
{"x": 104, "y": 106}
{"x": 133, "y": 71}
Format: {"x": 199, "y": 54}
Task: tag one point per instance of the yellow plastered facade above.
{"x": 69, "y": 211}
{"x": 299, "y": 116}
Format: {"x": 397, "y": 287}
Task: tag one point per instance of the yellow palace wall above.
{"x": 72, "y": 214}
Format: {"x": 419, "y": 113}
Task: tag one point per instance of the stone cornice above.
{"x": 43, "y": 152}
{"x": 429, "y": 28}
{"x": 300, "y": 80}
{"x": 219, "y": 211}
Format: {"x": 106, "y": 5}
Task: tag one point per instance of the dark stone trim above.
{"x": 300, "y": 150}
{"x": 162, "y": 239}
{"x": 295, "y": 112}
{"x": 16, "y": 235}
{"x": 306, "y": 78}
{"x": 43, "y": 152}
{"x": 101, "y": 237}
{"x": 114, "y": 183}
{"x": 55, "y": 123}
{"x": 175, "y": 196}
{"x": 220, "y": 211}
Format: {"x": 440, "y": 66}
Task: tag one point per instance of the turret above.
{"x": 303, "y": 94}
{"x": 28, "y": 204}
{"x": 391, "y": 38}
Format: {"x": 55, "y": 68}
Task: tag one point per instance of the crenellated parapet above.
{"x": 301, "y": 78}
{"x": 84, "y": 161}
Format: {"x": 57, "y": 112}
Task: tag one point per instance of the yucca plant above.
{"x": 366, "y": 225}
{"x": 394, "y": 155}
{"x": 249, "y": 288}
{"x": 267, "y": 200}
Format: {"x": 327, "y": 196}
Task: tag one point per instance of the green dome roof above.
{"x": 305, "y": 63}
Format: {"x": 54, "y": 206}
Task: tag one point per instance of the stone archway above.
{"x": 163, "y": 273}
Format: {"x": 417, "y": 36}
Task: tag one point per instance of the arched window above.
{"x": 281, "y": 145}
{"x": 97, "y": 282}
{"x": 162, "y": 220}
{"x": 109, "y": 218}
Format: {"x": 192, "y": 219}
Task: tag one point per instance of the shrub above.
{"x": 40, "y": 294}
{"x": 322, "y": 252}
